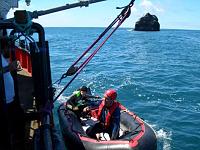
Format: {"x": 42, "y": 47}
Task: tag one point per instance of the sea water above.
{"x": 156, "y": 75}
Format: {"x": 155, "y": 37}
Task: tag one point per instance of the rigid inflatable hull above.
{"x": 139, "y": 137}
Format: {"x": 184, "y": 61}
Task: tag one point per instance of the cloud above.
{"x": 148, "y": 6}
{"x": 145, "y": 6}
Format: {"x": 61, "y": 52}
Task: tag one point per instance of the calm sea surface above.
{"x": 156, "y": 75}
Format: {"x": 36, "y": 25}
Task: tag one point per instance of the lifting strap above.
{"x": 125, "y": 13}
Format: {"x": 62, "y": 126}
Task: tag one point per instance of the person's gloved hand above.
{"x": 86, "y": 109}
{"x": 15, "y": 65}
{"x": 75, "y": 108}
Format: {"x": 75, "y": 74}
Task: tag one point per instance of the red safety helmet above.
{"x": 112, "y": 94}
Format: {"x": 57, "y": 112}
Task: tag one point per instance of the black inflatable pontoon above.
{"x": 134, "y": 134}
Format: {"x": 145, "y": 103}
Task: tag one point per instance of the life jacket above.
{"x": 77, "y": 93}
{"x": 109, "y": 114}
{"x": 79, "y": 97}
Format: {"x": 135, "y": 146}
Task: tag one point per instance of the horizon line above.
{"x": 119, "y": 28}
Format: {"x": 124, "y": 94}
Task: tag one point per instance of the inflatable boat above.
{"x": 134, "y": 133}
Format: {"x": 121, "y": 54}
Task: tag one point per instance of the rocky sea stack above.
{"x": 147, "y": 23}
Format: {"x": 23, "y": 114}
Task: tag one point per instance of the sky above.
{"x": 172, "y": 14}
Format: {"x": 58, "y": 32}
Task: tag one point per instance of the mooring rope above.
{"x": 125, "y": 13}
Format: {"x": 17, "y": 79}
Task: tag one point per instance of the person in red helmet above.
{"x": 108, "y": 116}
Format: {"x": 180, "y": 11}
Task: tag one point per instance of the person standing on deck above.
{"x": 11, "y": 113}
